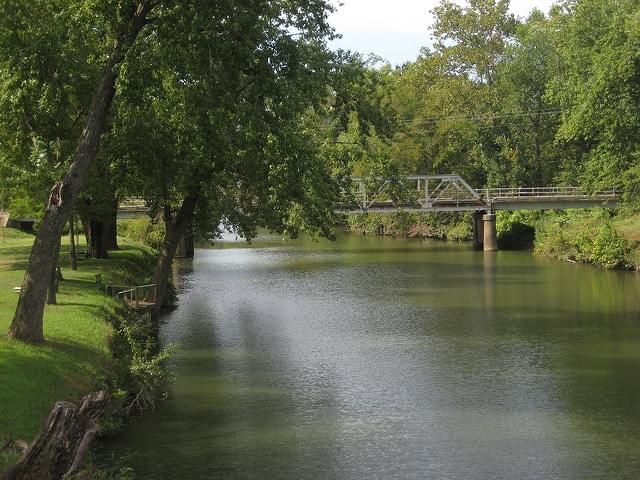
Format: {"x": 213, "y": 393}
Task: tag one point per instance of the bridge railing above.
{"x": 132, "y": 202}
{"x": 144, "y": 295}
{"x": 414, "y": 192}
{"x": 491, "y": 194}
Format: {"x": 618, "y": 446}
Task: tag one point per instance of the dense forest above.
{"x": 551, "y": 99}
{"x": 237, "y": 115}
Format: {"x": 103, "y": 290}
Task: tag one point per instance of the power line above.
{"x": 478, "y": 118}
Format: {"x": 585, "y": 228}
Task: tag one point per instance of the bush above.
{"x": 460, "y": 232}
{"x": 456, "y": 226}
{"x": 553, "y": 243}
{"x": 518, "y": 236}
{"x": 142, "y": 375}
{"x": 516, "y": 230}
{"x": 142, "y": 230}
{"x": 584, "y": 239}
{"x": 609, "y": 248}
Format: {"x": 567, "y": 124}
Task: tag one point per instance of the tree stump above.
{"x": 60, "y": 447}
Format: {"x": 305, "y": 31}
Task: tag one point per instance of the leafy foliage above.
{"x": 146, "y": 232}
{"x": 593, "y": 240}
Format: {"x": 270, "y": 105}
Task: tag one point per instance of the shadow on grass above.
{"x": 89, "y": 306}
{"x": 14, "y": 265}
{"x": 33, "y": 378}
{"x": 77, "y": 350}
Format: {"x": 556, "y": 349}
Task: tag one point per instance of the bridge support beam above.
{"x": 490, "y": 235}
{"x": 478, "y": 230}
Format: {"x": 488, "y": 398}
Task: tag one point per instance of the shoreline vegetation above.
{"x": 266, "y": 133}
{"x": 92, "y": 344}
{"x": 597, "y": 237}
{"x": 594, "y": 237}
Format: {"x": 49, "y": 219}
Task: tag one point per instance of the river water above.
{"x": 374, "y": 358}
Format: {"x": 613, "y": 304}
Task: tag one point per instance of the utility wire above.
{"x": 478, "y": 118}
{"x": 473, "y": 118}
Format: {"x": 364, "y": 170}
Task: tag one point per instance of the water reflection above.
{"x": 379, "y": 358}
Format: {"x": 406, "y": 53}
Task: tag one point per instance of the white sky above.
{"x": 397, "y": 29}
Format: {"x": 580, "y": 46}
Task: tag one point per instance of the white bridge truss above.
{"x": 441, "y": 193}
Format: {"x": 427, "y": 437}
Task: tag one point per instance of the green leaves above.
{"x": 597, "y": 86}
{"x": 216, "y": 102}
{"x": 473, "y": 38}
{"x": 50, "y": 55}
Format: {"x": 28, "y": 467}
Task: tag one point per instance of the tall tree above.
{"x": 596, "y": 85}
{"x": 211, "y": 125}
{"x": 530, "y": 118}
{"x": 474, "y": 38}
{"x": 129, "y": 18}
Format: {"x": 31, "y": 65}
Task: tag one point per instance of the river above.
{"x": 378, "y": 358}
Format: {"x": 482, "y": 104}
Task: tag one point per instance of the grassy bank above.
{"x": 599, "y": 237}
{"x": 594, "y": 237}
{"x": 75, "y": 358}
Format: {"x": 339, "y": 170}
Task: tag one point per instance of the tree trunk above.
{"x": 72, "y": 244}
{"x": 538, "y": 159}
{"x": 175, "y": 229}
{"x": 101, "y": 228}
{"x": 27, "y": 322}
{"x": 87, "y": 238}
{"x": 111, "y": 228}
{"x": 186, "y": 248}
{"x": 537, "y": 152}
{"x": 97, "y": 239}
{"x": 54, "y": 277}
{"x": 60, "y": 447}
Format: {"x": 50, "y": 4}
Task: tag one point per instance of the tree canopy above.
{"x": 235, "y": 114}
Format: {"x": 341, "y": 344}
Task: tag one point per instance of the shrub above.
{"x": 609, "y": 248}
{"x": 586, "y": 239}
{"x": 516, "y": 230}
{"x": 142, "y": 375}
{"x": 460, "y": 232}
{"x": 142, "y": 230}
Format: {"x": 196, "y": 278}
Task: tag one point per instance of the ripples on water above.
{"x": 379, "y": 358}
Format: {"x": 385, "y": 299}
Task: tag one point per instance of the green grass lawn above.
{"x": 630, "y": 229}
{"x": 75, "y": 359}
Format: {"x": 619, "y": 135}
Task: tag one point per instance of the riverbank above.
{"x": 581, "y": 236}
{"x": 77, "y": 357}
{"x": 452, "y": 226}
{"x": 596, "y": 237}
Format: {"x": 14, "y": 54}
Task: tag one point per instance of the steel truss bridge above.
{"x": 450, "y": 193}
{"x": 444, "y": 193}
{"x": 440, "y": 193}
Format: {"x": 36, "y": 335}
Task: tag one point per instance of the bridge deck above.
{"x": 516, "y": 203}
{"x": 442, "y": 193}
{"x": 450, "y": 193}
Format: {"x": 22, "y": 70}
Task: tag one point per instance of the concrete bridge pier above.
{"x": 490, "y": 236}
{"x": 478, "y": 229}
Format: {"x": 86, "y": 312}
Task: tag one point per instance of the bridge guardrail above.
{"x": 132, "y": 202}
{"x": 508, "y": 193}
{"x": 440, "y": 193}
